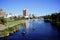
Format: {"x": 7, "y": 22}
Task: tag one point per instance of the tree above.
{"x": 15, "y": 18}
{"x": 3, "y": 20}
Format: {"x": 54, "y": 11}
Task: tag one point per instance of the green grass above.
{"x": 13, "y": 22}
{"x": 5, "y": 32}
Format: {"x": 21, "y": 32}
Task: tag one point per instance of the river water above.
{"x": 35, "y": 30}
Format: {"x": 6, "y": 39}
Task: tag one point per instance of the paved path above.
{"x": 2, "y": 27}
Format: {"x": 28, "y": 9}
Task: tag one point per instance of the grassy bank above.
{"x": 14, "y": 22}
{"x": 8, "y": 31}
{"x": 13, "y": 26}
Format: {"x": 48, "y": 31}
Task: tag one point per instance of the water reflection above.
{"x": 25, "y": 28}
{"x": 34, "y": 25}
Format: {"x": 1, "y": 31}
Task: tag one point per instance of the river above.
{"x": 35, "y": 30}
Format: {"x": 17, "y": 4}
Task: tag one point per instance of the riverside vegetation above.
{"x": 11, "y": 26}
{"x": 53, "y": 19}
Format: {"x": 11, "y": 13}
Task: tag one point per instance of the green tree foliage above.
{"x": 3, "y": 20}
{"x": 54, "y": 18}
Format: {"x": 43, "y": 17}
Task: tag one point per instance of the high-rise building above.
{"x": 25, "y": 13}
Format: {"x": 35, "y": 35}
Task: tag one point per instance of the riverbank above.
{"x": 11, "y": 27}
{"x": 54, "y": 19}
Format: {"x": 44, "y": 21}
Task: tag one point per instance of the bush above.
{"x": 3, "y": 20}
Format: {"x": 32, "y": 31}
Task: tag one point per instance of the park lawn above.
{"x": 13, "y": 22}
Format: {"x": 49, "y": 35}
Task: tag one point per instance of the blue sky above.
{"x": 37, "y": 7}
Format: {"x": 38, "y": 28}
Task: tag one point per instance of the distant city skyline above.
{"x": 36, "y": 7}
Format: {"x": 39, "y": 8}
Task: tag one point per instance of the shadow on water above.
{"x": 3, "y": 38}
{"x": 55, "y": 27}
